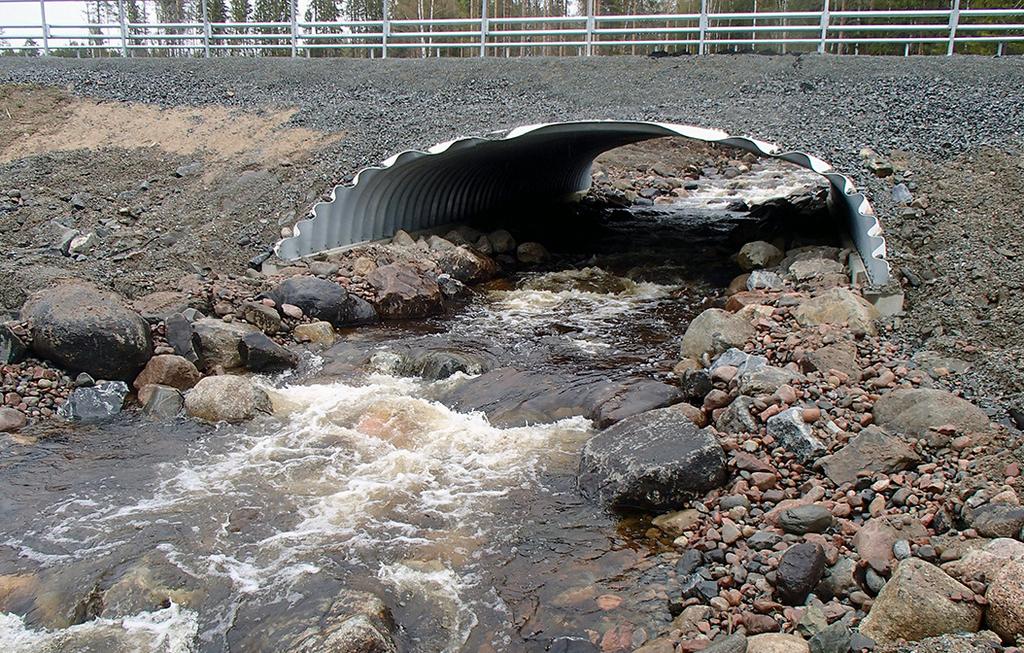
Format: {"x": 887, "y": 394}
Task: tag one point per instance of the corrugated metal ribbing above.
{"x": 472, "y": 177}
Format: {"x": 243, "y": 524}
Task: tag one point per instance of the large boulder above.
{"x": 323, "y": 300}
{"x": 838, "y": 306}
{"x": 653, "y": 461}
{"x": 1006, "y": 601}
{"x": 986, "y": 562}
{"x": 512, "y": 397}
{"x": 217, "y": 342}
{"x": 403, "y": 291}
{"x": 95, "y": 403}
{"x": 873, "y": 450}
{"x": 714, "y": 331}
{"x": 261, "y": 354}
{"x": 920, "y": 601}
{"x": 11, "y": 420}
{"x": 84, "y": 328}
{"x": 758, "y": 254}
{"x": 776, "y": 643}
{"x": 466, "y": 265}
{"x": 161, "y": 401}
{"x": 226, "y": 399}
{"x": 840, "y": 356}
{"x": 915, "y": 411}
{"x": 170, "y": 370}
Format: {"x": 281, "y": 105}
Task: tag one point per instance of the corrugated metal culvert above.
{"x": 469, "y": 177}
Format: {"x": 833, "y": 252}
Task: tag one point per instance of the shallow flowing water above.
{"x": 142, "y": 536}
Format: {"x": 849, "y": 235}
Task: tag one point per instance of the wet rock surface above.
{"x": 654, "y": 460}
{"x": 226, "y": 399}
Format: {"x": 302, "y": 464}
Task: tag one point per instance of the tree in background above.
{"x": 240, "y": 10}
{"x": 324, "y": 11}
{"x": 272, "y": 11}
{"x": 31, "y": 48}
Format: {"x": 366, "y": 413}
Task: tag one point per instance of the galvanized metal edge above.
{"x": 451, "y": 181}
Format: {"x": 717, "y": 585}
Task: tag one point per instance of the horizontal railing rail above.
{"x": 991, "y": 30}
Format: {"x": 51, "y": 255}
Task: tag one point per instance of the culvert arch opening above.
{"x": 459, "y": 180}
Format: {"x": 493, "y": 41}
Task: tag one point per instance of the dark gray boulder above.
{"x": 799, "y": 571}
{"x": 512, "y": 397}
{"x": 323, "y": 300}
{"x": 96, "y": 403}
{"x": 161, "y": 402}
{"x": 261, "y": 354}
{"x": 84, "y": 328}
{"x": 996, "y": 520}
{"x": 652, "y": 461}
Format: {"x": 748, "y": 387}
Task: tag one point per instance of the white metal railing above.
{"x": 823, "y": 31}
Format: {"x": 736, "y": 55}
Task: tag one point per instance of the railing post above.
{"x": 999, "y": 49}
{"x": 954, "y": 20}
{"x": 483, "y": 28}
{"x": 46, "y": 28}
{"x": 293, "y": 11}
{"x": 124, "y": 28}
{"x": 385, "y": 30}
{"x": 703, "y": 24}
{"x": 824, "y": 27}
{"x": 206, "y": 31}
{"x": 590, "y": 28}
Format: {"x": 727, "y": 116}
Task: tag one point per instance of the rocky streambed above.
{"x": 670, "y": 424}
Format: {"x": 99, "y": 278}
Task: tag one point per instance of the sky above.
{"x": 16, "y": 19}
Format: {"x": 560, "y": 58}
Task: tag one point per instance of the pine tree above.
{"x": 271, "y": 11}
{"x": 240, "y": 11}
{"x": 323, "y": 11}
{"x": 216, "y": 11}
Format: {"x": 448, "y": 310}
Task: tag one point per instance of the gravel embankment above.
{"x": 956, "y": 120}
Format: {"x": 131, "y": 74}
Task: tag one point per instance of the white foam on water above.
{"x": 370, "y": 474}
{"x": 171, "y": 630}
{"x": 441, "y": 588}
{"x": 771, "y": 180}
{"x": 590, "y": 300}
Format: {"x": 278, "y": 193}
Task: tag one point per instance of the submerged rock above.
{"x": 95, "y": 403}
{"x": 84, "y": 328}
{"x": 319, "y": 333}
{"x": 512, "y": 397}
{"x": 226, "y": 399}
{"x": 161, "y": 401}
{"x": 653, "y": 461}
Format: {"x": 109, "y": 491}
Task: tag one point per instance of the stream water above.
{"x": 172, "y": 537}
